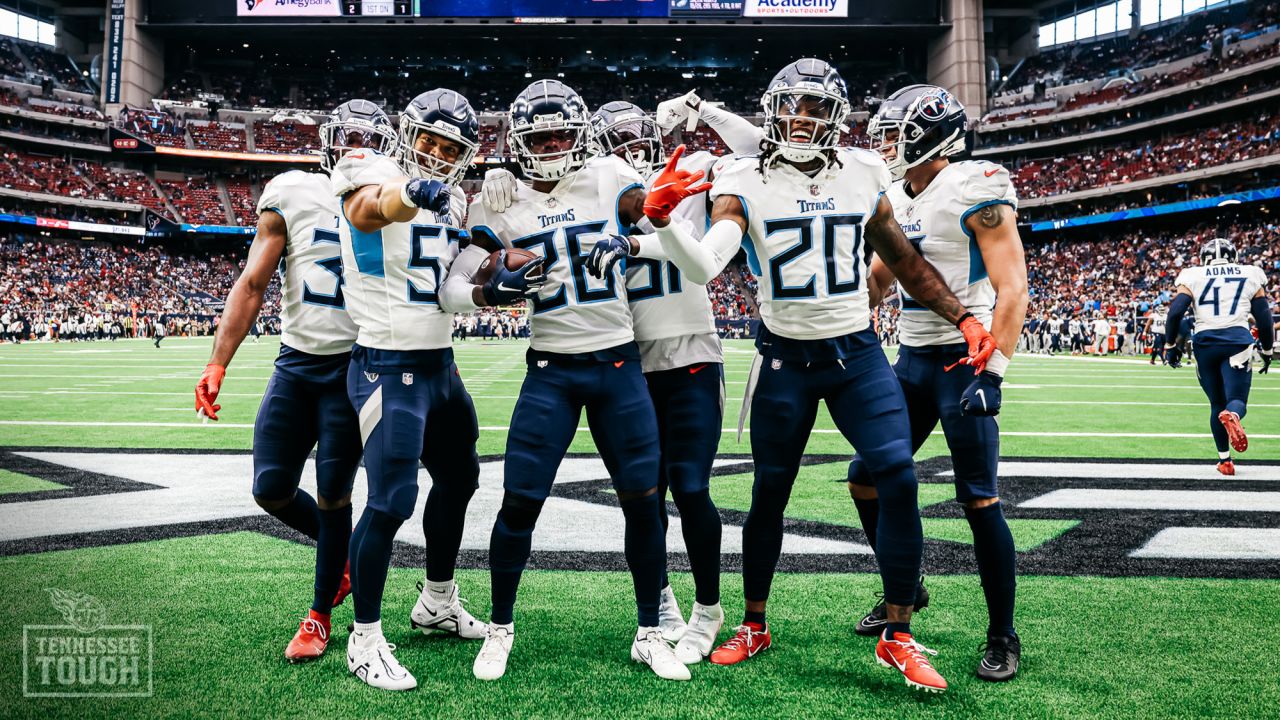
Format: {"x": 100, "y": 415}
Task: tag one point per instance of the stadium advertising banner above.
{"x": 706, "y": 8}
{"x": 543, "y": 8}
{"x": 796, "y": 8}
{"x": 288, "y": 8}
{"x": 115, "y": 46}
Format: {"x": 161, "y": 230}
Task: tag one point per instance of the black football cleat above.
{"x": 1000, "y": 658}
{"x": 872, "y": 624}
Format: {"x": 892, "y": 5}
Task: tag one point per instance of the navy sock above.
{"x": 752, "y": 616}
{"x": 301, "y": 514}
{"x": 371, "y": 543}
{"x": 869, "y": 516}
{"x": 893, "y": 627}
{"x": 331, "y": 556}
{"x": 646, "y": 552}
{"x": 701, "y": 525}
{"x": 997, "y": 565}
{"x": 442, "y": 524}
{"x": 899, "y": 536}
{"x": 508, "y": 553}
{"x": 666, "y": 522}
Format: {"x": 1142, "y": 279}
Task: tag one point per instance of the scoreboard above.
{"x": 380, "y": 8}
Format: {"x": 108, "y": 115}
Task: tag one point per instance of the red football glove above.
{"x": 671, "y": 187}
{"x": 207, "y": 388}
{"x": 981, "y": 344}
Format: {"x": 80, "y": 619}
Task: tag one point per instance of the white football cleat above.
{"x": 449, "y": 616}
{"x": 700, "y": 637}
{"x": 373, "y": 663}
{"x": 649, "y": 648}
{"x": 670, "y": 619}
{"x": 491, "y": 662}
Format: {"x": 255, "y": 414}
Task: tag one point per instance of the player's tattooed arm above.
{"x": 995, "y": 229}
{"x": 244, "y": 302}
{"x": 920, "y": 279}
{"x": 373, "y": 207}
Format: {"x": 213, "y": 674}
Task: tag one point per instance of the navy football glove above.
{"x": 430, "y": 195}
{"x": 1173, "y": 356}
{"x": 608, "y": 250}
{"x": 982, "y": 397}
{"x": 507, "y": 286}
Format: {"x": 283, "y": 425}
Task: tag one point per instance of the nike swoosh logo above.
{"x": 696, "y": 370}
{"x": 662, "y": 187}
{"x": 619, "y": 363}
{"x": 989, "y": 173}
{"x": 989, "y": 666}
{"x": 894, "y": 660}
{"x": 506, "y": 288}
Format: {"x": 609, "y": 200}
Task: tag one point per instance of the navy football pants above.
{"x": 297, "y": 415}
{"x": 1227, "y": 387}
{"x": 867, "y": 405}
{"x": 933, "y": 396}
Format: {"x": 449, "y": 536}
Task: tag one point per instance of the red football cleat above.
{"x": 748, "y": 640}
{"x": 344, "y": 587}
{"x": 1226, "y": 467}
{"x": 311, "y": 639}
{"x": 906, "y": 655}
{"x": 1231, "y": 422}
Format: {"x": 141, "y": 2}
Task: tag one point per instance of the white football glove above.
{"x": 671, "y": 112}
{"x": 498, "y": 190}
{"x": 457, "y": 207}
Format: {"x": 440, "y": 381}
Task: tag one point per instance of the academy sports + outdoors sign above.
{"x": 288, "y": 8}
{"x": 795, "y": 8}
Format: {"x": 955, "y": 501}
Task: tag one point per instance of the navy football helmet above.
{"x": 1218, "y": 251}
{"x": 444, "y": 114}
{"x": 549, "y": 106}
{"x": 805, "y": 107}
{"x": 355, "y": 124}
{"x": 917, "y": 124}
{"x": 623, "y": 129}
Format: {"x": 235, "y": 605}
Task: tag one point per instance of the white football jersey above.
{"x": 393, "y": 275}
{"x": 313, "y": 314}
{"x": 1221, "y": 294}
{"x": 1158, "y": 321}
{"x": 665, "y": 304}
{"x": 934, "y": 221}
{"x": 573, "y": 312}
{"x": 805, "y": 240}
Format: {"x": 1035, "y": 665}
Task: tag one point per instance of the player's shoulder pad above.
{"x": 864, "y": 160}
{"x": 363, "y": 167}
{"x": 279, "y": 188}
{"x": 697, "y": 160}
{"x": 982, "y": 181}
{"x": 1186, "y": 276}
{"x": 730, "y": 172}
{"x": 1259, "y": 273}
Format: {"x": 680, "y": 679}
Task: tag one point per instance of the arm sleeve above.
{"x": 650, "y": 247}
{"x": 701, "y": 261}
{"x": 456, "y": 295}
{"x": 1177, "y": 309}
{"x": 740, "y": 135}
{"x": 1261, "y": 309}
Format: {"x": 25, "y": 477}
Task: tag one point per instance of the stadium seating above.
{"x": 217, "y": 136}
{"x": 197, "y": 200}
{"x": 285, "y": 137}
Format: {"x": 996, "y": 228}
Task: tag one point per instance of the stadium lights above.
{"x": 588, "y": 52}
{"x": 687, "y": 76}
{"x": 528, "y": 74}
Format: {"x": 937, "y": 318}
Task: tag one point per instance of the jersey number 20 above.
{"x": 804, "y": 227}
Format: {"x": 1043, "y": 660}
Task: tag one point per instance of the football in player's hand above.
{"x": 516, "y": 259}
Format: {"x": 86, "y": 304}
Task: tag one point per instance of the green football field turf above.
{"x": 221, "y": 607}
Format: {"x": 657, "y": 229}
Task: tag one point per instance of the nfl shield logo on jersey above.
{"x": 776, "y": 364}
{"x": 542, "y": 363}
{"x": 407, "y": 378}
{"x": 814, "y": 190}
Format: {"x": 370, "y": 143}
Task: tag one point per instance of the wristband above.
{"x": 404, "y": 196}
{"x": 963, "y": 317}
{"x": 997, "y": 364}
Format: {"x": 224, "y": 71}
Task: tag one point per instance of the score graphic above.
{"x": 379, "y": 8}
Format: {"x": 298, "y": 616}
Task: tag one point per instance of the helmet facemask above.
{"x": 553, "y": 165}
{"x": 896, "y": 139}
{"x": 635, "y": 140}
{"x": 339, "y": 137}
{"x": 424, "y": 164}
{"x": 804, "y": 123}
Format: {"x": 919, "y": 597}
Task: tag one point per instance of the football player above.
{"x": 1156, "y": 322}
{"x": 1225, "y": 293}
{"x": 399, "y": 239}
{"x": 305, "y": 405}
{"x": 583, "y": 355}
{"x": 681, "y": 357}
{"x": 961, "y": 217}
{"x": 806, "y": 207}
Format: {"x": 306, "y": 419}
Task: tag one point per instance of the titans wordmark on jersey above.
{"x": 393, "y": 275}
{"x": 574, "y": 312}
{"x": 313, "y": 315}
{"x": 934, "y": 221}
{"x": 1220, "y": 298}
{"x": 805, "y": 240}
